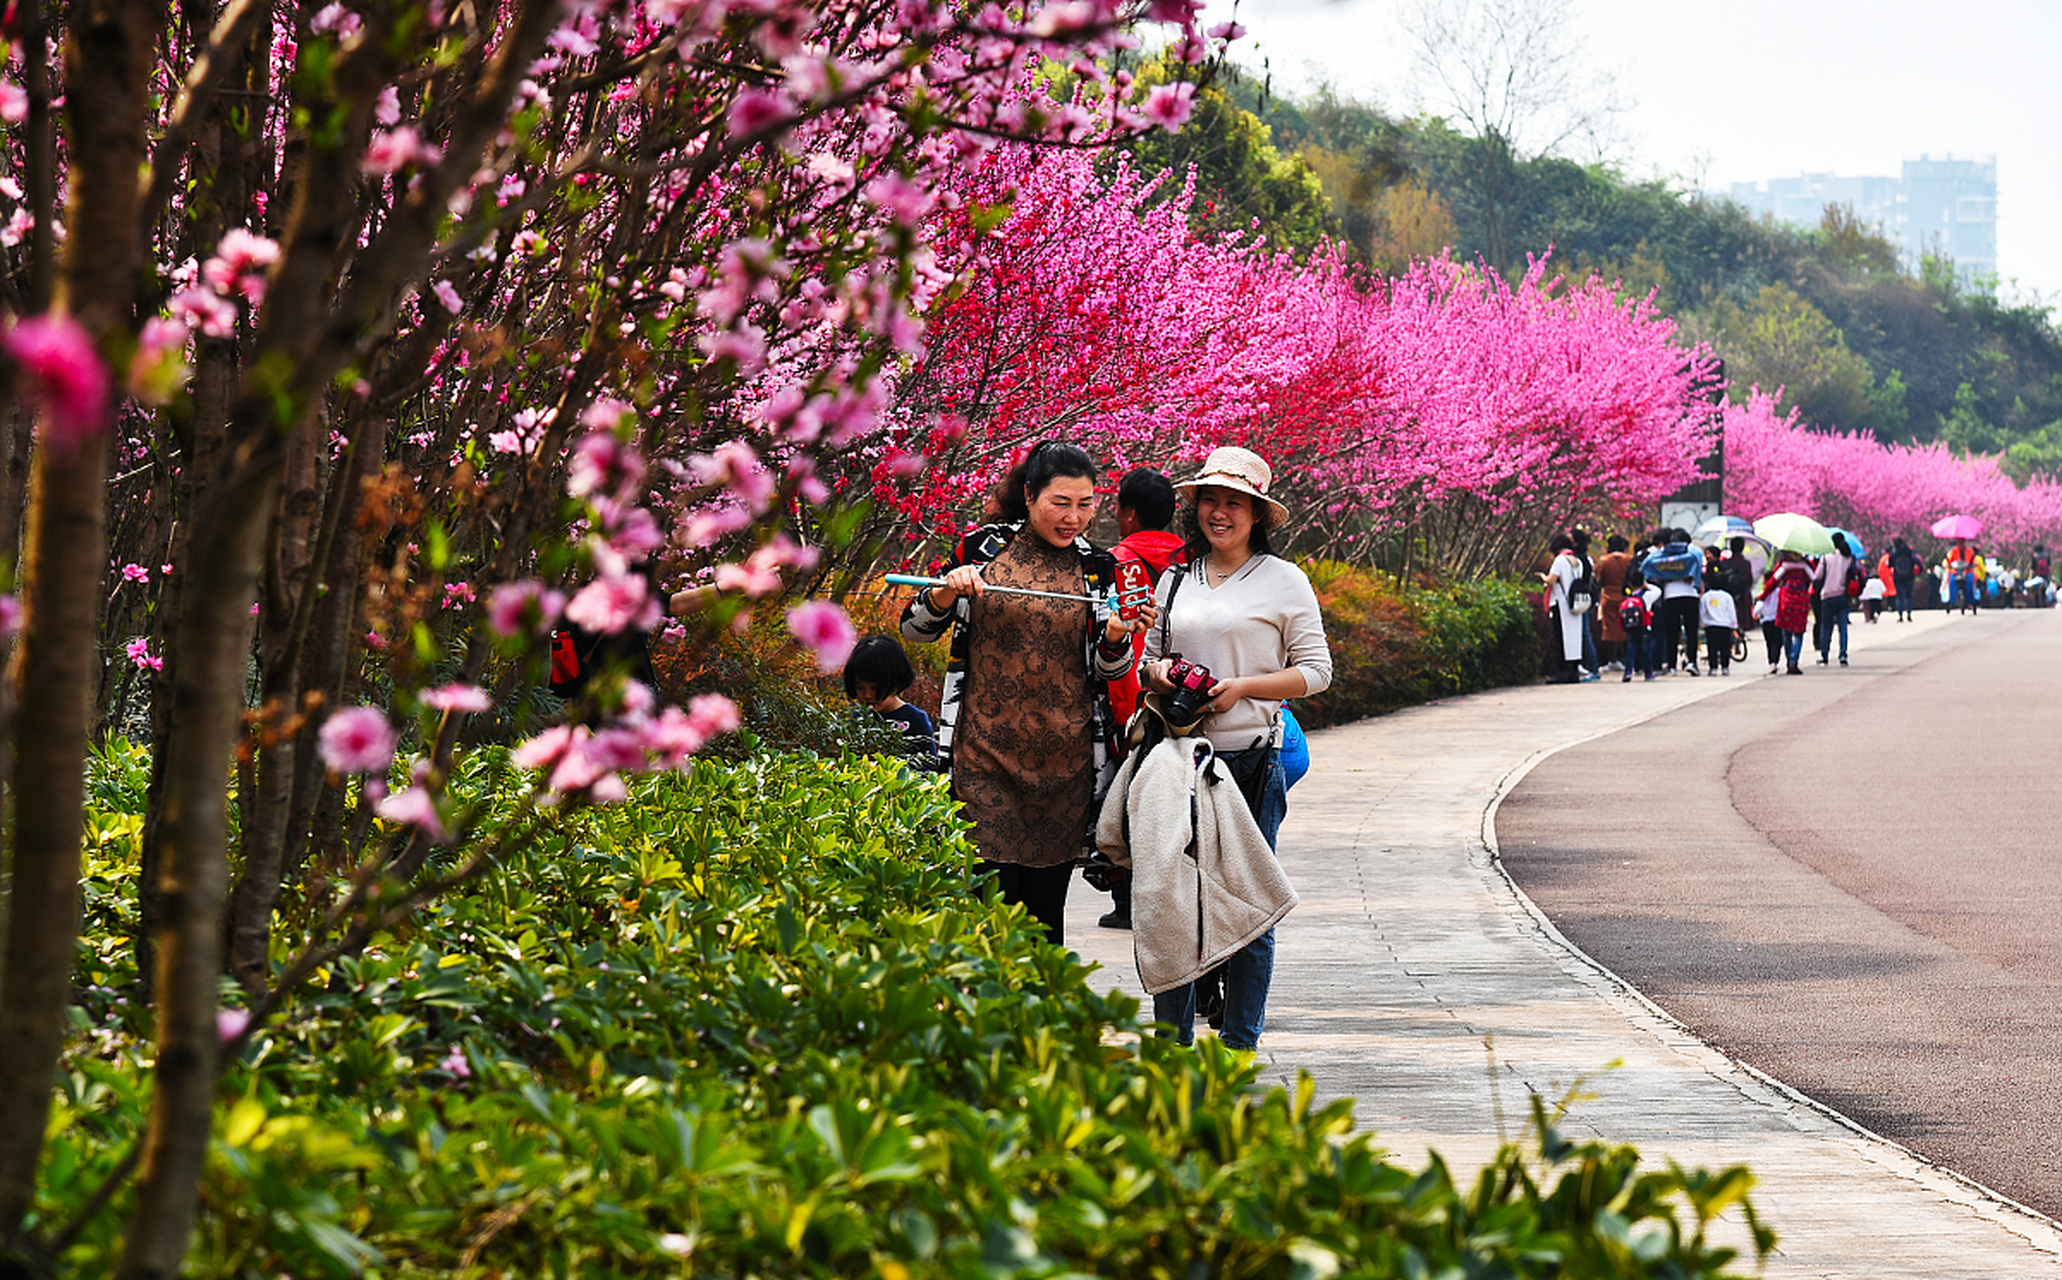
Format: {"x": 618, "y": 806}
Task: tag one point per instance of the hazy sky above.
{"x": 1754, "y": 89}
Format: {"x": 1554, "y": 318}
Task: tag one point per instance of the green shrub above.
{"x": 754, "y": 1023}
{"x": 1395, "y": 647}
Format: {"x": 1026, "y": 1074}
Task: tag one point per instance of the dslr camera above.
{"x": 1192, "y": 683}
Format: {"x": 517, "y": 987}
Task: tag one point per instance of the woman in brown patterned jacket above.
{"x": 1026, "y": 713}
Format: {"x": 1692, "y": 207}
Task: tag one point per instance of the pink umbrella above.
{"x": 1957, "y": 527}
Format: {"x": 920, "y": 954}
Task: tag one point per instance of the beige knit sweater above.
{"x": 1191, "y": 905}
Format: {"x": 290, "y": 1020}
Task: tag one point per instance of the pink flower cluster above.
{"x": 415, "y": 805}
{"x": 236, "y": 270}
{"x": 608, "y": 472}
{"x": 399, "y": 148}
{"x": 1385, "y": 405}
{"x": 62, "y": 374}
{"x": 357, "y": 740}
{"x": 138, "y": 651}
{"x": 524, "y": 608}
{"x": 824, "y": 628}
{"x": 590, "y": 763}
{"x": 1775, "y": 463}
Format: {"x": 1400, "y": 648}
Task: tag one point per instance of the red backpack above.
{"x": 1633, "y": 613}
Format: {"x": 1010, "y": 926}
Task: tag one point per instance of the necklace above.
{"x": 1219, "y": 575}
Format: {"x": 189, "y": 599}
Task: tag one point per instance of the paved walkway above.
{"x": 1416, "y": 979}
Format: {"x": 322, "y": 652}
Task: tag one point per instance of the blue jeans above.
{"x": 1793, "y": 646}
{"x": 1833, "y": 612}
{"x": 1903, "y": 600}
{"x": 1961, "y": 588}
{"x": 1250, "y": 970}
{"x": 1639, "y": 652}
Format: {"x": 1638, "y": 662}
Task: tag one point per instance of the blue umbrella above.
{"x": 1860, "y": 552}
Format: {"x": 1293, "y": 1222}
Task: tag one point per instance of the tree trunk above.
{"x": 315, "y": 828}
{"x": 108, "y": 67}
{"x": 55, "y": 669}
{"x": 1498, "y": 172}
{"x": 269, "y": 806}
{"x": 207, "y": 706}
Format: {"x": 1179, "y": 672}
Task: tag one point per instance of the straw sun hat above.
{"x": 1242, "y": 469}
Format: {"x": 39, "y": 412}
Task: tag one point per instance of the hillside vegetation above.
{"x": 1831, "y": 315}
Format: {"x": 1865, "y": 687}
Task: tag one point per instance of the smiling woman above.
{"x": 1251, "y": 619}
{"x": 1026, "y": 712}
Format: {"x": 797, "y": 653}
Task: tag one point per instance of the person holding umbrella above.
{"x": 1963, "y": 566}
{"x": 1961, "y": 576}
{"x": 1791, "y": 578}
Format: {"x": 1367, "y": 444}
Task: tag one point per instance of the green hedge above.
{"x": 1397, "y": 646}
{"x": 752, "y": 1023}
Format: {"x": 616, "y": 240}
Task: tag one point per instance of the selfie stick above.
{"x": 912, "y": 580}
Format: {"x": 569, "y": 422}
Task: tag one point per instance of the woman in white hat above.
{"x": 1250, "y": 617}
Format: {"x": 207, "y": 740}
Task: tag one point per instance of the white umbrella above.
{"x": 1788, "y": 531}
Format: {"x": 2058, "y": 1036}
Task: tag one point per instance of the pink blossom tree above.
{"x": 1775, "y": 463}
{"x": 310, "y": 308}
{"x": 1445, "y": 417}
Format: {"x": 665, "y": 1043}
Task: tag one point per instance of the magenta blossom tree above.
{"x": 1775, "y": 463}
{"x": 351, "y": 327}
{"x": 1444, "y": 418}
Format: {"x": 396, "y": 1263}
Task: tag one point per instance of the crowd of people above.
{"x": 1126, "y": 708}
{"x": 1649, "y": 608}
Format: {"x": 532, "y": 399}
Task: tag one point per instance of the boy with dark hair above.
{"x": 1636, "y": 617}
{"x": 1149, "y": 497}
{"x": 876, "y": 675}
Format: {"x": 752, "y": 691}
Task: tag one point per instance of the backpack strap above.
{"x": 1167, "y": 616}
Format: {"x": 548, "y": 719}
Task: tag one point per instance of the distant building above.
{"x": 1950, "y": 207}
{"x": 1946, "y": 207}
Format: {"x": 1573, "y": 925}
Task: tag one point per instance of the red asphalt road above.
{"x": 1850, "y": 880}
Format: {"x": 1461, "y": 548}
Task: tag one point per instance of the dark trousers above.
{"x": 1772, "y": 636}
{"x": 1678, "y": 630}
{"x": 1718, "y": 648}
{"x": 1040, "y": 890}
